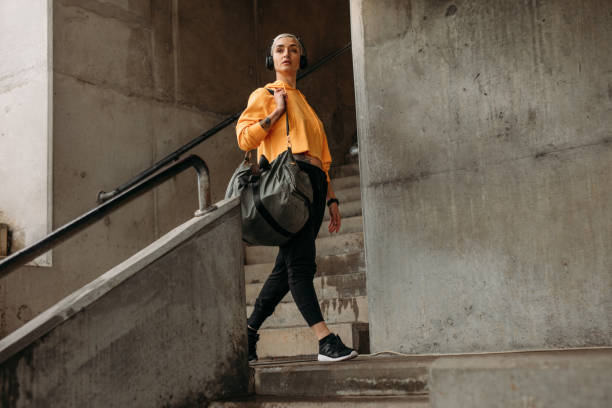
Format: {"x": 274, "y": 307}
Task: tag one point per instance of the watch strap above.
{"x": 333, "y": 200}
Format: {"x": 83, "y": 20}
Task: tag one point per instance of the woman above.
{"x": 262, "y": 126}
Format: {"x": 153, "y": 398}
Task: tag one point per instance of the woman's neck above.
{"x": 290, "y": 80}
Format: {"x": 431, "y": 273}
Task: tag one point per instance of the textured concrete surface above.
{"x": 345, "y": 170}
{"x": 164, "y": 328}
{"x": 363, "y": 376}
{"x": 563, "y": 379}
{"x": 221, "y": 75}
{"x": 485, "y": 154}
{"x": 119, "y": 71}
{"x": 136, "y": 79}
{"x": 336, "y": 402}
{"x": 350, "y": 194}
{"x": 347, "y": 182}
{"x": 25, "y": 123}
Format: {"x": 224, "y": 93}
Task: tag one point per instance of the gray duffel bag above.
{"x": 275, "y": 199}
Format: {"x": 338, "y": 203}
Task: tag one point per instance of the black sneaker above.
{"x": 331, "y": 348}
{"x": 252, "y": 337}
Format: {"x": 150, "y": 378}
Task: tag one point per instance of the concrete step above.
{"x": 337, "y": 264}
{"x": 348, "y": 194}
{"x": 300, "y": 341}
{"x": 257, "y": 401}
{"x": 347, "y": 209}
{"x": 346, "y": 170}
{"x": 343, "y": 183}
{"x": 347, "y": 225}
{"x": 547, "y": 378}
{"x": 347, "y": 310}
{"x": 363, "y": 376}
{"x": 327, "y": 287}
{"x": 345, "y": 243}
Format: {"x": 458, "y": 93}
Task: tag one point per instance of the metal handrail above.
{"x": 103, "y": 195}
{"x": 68, "y": 230}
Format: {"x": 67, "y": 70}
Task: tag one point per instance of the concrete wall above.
{"x": 26, "y": 121}
{"x": 133, "y": 81}
{"x": 560, "y": 379}
{"x": 486, "y": 149}
{"x": 330, "y": 90}
{"x": 165, "y": 328}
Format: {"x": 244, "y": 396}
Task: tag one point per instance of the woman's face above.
{"x": 286, "y": 55}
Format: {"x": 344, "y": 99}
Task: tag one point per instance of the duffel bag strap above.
{"x": 286, "y": 120}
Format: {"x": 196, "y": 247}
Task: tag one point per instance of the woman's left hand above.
{"x": 334, "y": 218}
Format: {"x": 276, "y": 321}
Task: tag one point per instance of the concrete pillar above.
{"x": 486, "y": 154}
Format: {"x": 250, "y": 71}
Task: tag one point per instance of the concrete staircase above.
{"x": 363, "y": 382}
{"x": 340, "y": 282}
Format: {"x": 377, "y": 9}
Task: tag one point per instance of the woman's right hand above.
{"x": 280, "y": 97}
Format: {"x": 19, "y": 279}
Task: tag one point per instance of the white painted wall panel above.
{"x": 25, "y": 120}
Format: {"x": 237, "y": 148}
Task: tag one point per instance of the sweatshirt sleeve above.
{"x": 248, "y": 130}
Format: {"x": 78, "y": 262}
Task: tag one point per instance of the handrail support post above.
{"x": 204, "y": 196}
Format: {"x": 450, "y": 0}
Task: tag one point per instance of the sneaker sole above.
{"x": 353, "y": 354}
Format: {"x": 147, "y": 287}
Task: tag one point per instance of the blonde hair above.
{"x": 285, "y": 35}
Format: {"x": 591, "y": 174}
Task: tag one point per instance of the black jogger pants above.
{"x": 295, "y": 265}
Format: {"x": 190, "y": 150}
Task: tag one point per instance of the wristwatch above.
{"x": 333, "y": 200}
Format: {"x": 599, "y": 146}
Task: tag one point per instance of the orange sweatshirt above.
{"x": 305, "y": 129}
